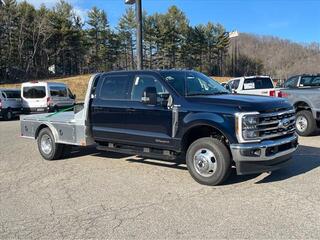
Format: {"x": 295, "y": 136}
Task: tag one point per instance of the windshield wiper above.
{"x": 220, "y": 93}
{"x": 206, "y": 94}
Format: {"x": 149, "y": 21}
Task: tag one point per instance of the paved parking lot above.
{"x": 103, "y": 195}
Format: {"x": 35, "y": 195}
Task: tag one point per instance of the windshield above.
{"x": 193, "y": 83}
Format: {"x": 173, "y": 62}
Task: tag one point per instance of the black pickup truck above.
{"x": 173, "y": 114}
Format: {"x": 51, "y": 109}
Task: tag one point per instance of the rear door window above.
{"x": 257, "y": 83}
{"x": 310, "y": 81}
{"x": 58, "y": 91}
{"x": 34, "y": 92}
{"x": 115, "y": 87}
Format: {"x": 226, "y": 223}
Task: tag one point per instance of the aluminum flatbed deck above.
{"x": 67, "y": 127}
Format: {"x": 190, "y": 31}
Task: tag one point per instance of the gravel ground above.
{"x": 103, "y": 195}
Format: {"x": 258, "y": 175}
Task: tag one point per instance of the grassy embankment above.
{"x": 78, "y": 84}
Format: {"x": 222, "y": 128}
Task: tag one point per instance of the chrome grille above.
{"x": 277, "y": 124}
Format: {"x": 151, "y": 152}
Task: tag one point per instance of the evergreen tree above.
{"x": 98, "y": 34}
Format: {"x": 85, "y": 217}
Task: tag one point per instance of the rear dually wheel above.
{"x": 48, "y": 148}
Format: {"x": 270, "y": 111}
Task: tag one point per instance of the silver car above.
{"x": 10, "y": 103}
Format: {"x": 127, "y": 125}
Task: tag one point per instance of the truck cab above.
{"x": 302, "y": 91}
{"x": 175, "y": 115}
{"x": 254, "y": 85}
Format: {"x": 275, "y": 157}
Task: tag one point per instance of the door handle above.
{"x": 98, "y": 109}
{"x": 131, "y": 110}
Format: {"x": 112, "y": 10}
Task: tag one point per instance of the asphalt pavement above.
{"x": 99, "y": 195}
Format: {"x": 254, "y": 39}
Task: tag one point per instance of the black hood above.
{"x": 244, "y": 102}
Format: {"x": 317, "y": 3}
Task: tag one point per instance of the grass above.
{"x": 78, "y": 84}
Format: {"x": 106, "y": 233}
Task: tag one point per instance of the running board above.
{"x": 140, "y": 151}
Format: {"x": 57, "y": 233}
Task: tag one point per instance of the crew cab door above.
{"x": 149, "y": 124}
{"x": 109, "y": 107}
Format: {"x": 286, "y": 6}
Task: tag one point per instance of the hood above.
{"x": 245, "y": 103}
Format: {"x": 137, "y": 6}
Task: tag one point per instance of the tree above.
{"x": 98, "y": 38}
{"x": 8, "y": 39}
{"x": 127, "y": 30}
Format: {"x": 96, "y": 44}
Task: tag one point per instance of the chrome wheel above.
{"x": 204, "y": 162}
{"x": 301, "y": 123}
{"x": 46, "y": 144}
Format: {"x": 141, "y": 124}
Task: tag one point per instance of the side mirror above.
{"x": 149, "y": 96}
{"x": 227, "y": 87}
{"x": 74, "y": 97}
{"x": 165, "y": 99}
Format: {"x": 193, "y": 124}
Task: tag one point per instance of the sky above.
{"x": 296, "y": 20}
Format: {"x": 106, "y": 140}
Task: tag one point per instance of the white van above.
{"x": 10, "y": 103}
{"x": 45, "y": 97}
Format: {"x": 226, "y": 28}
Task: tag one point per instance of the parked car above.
{"x": 45, "y": 97}
{"x": 10, "y": 103}
{"x": 255, "y": 85}
{"x": 223, "y": 84}
{"x": 303, "y": 91}
{"x": 173, "y": 115}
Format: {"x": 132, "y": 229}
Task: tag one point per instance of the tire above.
{"x": 208, "y": 161}
{"x": 8, "y": 115}
{"x": 48, "y": 148}
{"x": 306, "y": 125}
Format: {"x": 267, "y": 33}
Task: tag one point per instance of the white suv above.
{"x": 45, "y": 97}
{"x": 254, "y": 85}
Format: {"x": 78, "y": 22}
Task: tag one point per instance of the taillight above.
{"x": 282, "y": 94}
{"x": 272, "y": 93}
{"x": 48, "y": 101}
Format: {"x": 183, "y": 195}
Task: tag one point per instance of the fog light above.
{"x": 251, "y": 152}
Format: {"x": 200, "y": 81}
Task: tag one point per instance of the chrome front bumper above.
{"x": 264, "y": 151}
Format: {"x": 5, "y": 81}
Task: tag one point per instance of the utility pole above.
{"x": 139, "y": 31}
{"x": 234, "y": 52}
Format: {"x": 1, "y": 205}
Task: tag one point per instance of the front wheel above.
{"x": 208, "y": 161}
{"x": 48, "y": 148}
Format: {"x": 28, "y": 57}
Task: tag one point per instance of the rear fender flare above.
{"x": 52, "y": 129}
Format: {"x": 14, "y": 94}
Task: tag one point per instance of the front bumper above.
{"x": 264, "y": 156}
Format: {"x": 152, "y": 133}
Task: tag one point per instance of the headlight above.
{"x": 250, "y": 120}
{"x": 246, "y": 127}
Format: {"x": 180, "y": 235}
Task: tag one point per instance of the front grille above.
{"x": 276, "y": 124}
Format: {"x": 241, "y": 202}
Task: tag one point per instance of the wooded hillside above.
{"x": 42, "y": 43}
{"x": 280, "y": 58}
